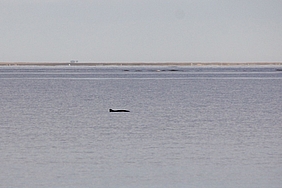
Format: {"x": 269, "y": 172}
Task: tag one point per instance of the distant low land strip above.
{"x": 140, "y": 64}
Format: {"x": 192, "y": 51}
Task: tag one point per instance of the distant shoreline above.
{"x": 140, "y": 64}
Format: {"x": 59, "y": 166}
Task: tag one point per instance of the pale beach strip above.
{"x": 141, "y": 64}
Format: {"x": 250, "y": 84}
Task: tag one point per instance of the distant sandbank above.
{"x": 140, "y": 64}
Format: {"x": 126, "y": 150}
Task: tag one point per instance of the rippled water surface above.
{"x": 215, "y": 127}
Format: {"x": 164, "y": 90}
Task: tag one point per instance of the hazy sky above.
{"x": 141, "y": 30}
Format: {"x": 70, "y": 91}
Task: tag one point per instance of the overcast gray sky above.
{"x": 141, "y": 30}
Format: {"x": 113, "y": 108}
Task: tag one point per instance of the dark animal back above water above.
{"x": 111, "y": 110}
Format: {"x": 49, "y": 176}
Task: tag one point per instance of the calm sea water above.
{"x": 217, "y": 127}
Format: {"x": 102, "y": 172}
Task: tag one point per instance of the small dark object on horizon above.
{"x": 278, "y": 69}
{"x": 172, "y": 70}
{"x": 111, "y": 110}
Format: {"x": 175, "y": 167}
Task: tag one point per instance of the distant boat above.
{"x": 111, "y": 110}
{"x": 278, "y": 69}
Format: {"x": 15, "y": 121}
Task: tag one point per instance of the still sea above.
{"x": 188, "y": 127}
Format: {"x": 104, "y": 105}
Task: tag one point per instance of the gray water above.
{"x": 187, "y": 127}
